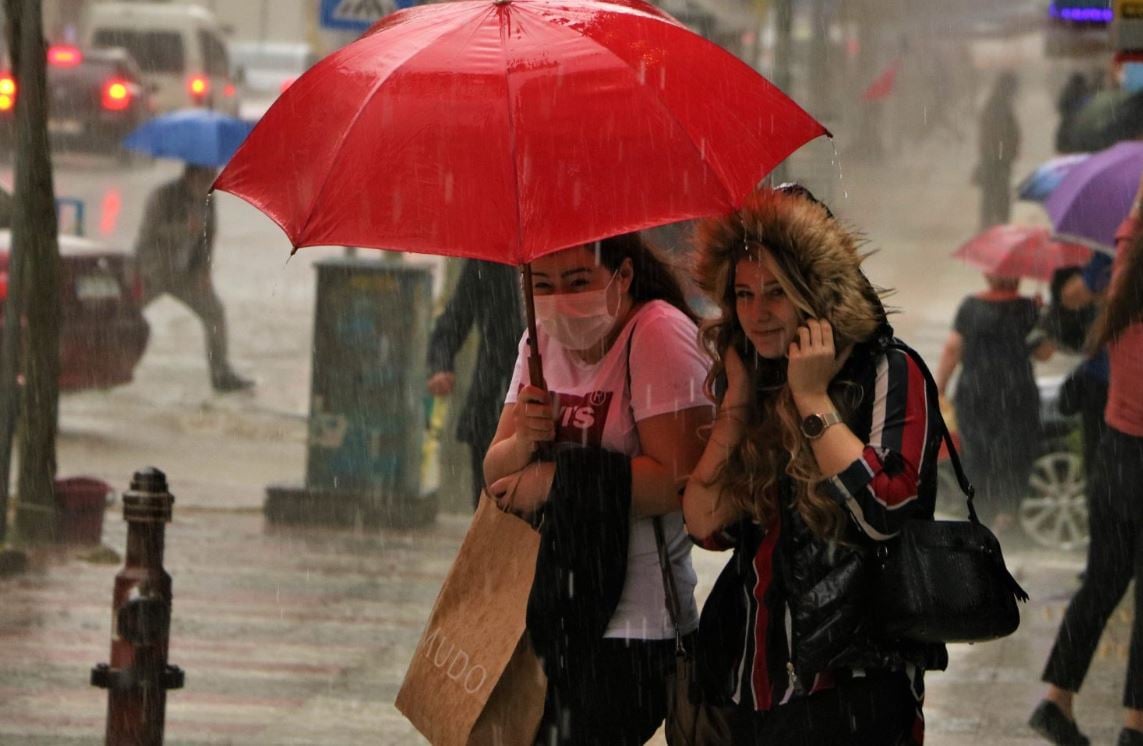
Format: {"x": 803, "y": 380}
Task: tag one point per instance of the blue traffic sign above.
{"x": 358, "y": 15}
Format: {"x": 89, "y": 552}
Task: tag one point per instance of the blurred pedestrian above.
{"x": 824, "y": 443}
{"x": 621, "y": 419}
{"x": 174, "y": 251}
{"x": 1073, "y": 96}
{"x": 486, "y": 300}
{"x": 998, "y": 144}
{"x": 1068, "y": 322}
{"x": 1115, "y": 552}
{"x": 997, "y": 401}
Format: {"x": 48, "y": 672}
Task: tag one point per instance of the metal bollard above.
{"x": 138, "y": 676}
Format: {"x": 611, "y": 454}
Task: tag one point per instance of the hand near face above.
{"x": 813, "y": 359}
{"x": 737, "y": 378}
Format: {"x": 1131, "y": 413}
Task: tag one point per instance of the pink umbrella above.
{"x": 1021, "y": 251}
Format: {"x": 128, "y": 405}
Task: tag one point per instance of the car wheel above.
{"x": 1054, "y": 513}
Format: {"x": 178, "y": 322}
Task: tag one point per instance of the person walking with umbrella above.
{"x": 998, "y": 143}
{"x": 175, "y": 245}
{"x": 621, "y": 411}
{"x": 1116, "y": 518}
{"x": 997, "y": 401}
{"x": 174, "y": 250}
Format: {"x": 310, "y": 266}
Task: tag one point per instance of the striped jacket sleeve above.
{"x": 880, "y": 489}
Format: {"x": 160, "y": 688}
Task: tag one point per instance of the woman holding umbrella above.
{"x": 823, "y": 445}
{"x": 617, "y": 428}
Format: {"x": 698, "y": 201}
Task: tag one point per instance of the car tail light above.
{"x": 3, "y": 286}
{"x": 229, "y": 90}
{"x": 116, "y": 95}
{"x": 63, "y": 55}
{"x": 7, "y": 93}
{"x": 199, "y": 86}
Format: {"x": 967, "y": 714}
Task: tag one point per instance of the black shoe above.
{"x": 229, "y": 382}
{"x": 1130, "y": 737}
{"x": 1050, "y": 722}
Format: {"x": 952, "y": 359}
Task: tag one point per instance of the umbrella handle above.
{"x": 535, "y": 363}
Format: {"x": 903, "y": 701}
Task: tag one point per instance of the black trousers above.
{"x": 874, "y": 710}
{"x": 1115, "y": 556}
{"x": 617, "y": 697}
{"x": 1092, "y": 401}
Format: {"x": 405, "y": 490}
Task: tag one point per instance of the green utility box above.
{"x": 367, "y": 399}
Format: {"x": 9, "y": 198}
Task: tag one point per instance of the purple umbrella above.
{"x": 1095, "y": 196}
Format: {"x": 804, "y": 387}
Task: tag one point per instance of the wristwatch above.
{"x": 814, "y": 426}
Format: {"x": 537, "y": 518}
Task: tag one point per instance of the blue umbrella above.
{"x": 199, "y": 136}
{"x": 1037, "y": 185}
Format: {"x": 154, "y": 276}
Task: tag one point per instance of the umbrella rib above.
{"x": 658, "y": 102}
{"x": 512, "y": 143}
{"x": 338, "y": 151}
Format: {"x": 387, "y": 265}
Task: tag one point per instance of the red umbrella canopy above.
{"x": 1021, "y": 251}
{"x": 508, "y": 129}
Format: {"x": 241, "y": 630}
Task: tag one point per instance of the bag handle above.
{"x": 674, "y": 608}
{"x": 961, "y": 478}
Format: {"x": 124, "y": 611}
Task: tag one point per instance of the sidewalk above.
{"x": 302, "y": 637}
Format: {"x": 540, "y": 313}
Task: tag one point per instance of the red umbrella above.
{"x": 1021, "y": 251}
{"x": 509, "y": 129}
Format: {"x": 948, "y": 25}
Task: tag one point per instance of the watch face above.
{"x": 813, "y": 426}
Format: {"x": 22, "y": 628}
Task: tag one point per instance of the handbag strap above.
{"x": 674, "y": 608}
{"x": 961, "y": 478}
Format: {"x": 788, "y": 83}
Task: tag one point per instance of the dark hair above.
{"x": 1124, "y": 305}
{"x": 653, "y": 277}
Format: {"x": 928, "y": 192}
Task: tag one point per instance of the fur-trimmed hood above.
{"x": 817, "y": 252}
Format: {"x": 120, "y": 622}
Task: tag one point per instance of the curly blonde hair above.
{"x": 817, "y": 262}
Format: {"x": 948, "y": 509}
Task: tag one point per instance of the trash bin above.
{"x": 367, "y": 416}
{"x": 80, "y": 504}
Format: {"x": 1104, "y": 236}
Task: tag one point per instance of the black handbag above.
{"x": 944, "y": 581}
{"x": 691, "y": 721}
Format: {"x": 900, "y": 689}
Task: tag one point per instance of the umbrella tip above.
{"x": 501, "y": 2}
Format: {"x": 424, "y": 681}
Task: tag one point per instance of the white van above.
{"x": 178, "y": 47}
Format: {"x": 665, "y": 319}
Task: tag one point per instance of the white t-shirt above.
{"x": 597, "y": 408}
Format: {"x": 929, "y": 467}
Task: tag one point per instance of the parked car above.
{"x": 95, "y": 97}
{"x": 1053, "y": 511}
{"x": 179, "y": 48}
{"x": 102, "y": 330}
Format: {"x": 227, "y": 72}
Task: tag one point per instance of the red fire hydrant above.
{"x": 138, "y": 677}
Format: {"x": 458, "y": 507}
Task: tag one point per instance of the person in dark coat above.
{"x": 486, "y": 299}
{"x": 999, "y": 144}
{"x": 174, "y": 251}
{"x": 823, "y": 445}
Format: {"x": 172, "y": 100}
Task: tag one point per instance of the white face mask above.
{"x": 577, "y": 321}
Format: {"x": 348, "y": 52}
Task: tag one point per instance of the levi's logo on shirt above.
{"x": 581, "y": 419}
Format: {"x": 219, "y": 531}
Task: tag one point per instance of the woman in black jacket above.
{"x": 824, "y": 443}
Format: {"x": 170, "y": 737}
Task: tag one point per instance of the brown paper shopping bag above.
{"x": 474, "y": 648}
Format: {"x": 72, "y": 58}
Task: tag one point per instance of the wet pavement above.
{"x": 301, "y": 636}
